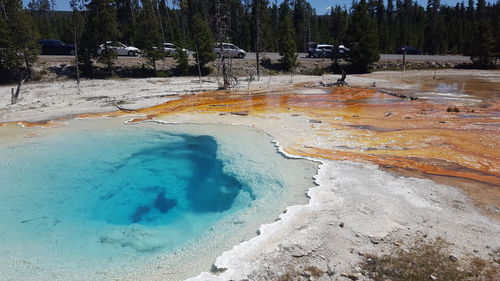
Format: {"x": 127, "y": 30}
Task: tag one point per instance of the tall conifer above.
{"x": 363, "y": 38}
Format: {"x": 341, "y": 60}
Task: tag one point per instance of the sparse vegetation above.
{"x": 315, "y": 272}
{"x": 452, "y": 109}
{"x": 306, "y": 272}
{"x": 428, "y": 261}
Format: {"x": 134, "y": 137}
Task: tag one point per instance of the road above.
{"x": 383, "y": 57}
{"x": 303, "y": 56}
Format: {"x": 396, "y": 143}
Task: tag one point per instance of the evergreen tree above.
{"x": 42, "y": 17}
{"x": 338, "y": 25}
{"x": 150, "y": 39}
{"x": 127, "y": 12}
{"x": 287, "y": 47}
{"x": 496, "y": 27}
{"x": 101, "y": 27}
{"x": 203, "y": 42}
{"x": 363, "y": 38}
{"x": 432, "y": 34}
{"x": 18, "y": 48}
{"x": 482, "y": 52}
{"x": 182, "y": 59}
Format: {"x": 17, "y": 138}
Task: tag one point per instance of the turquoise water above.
{"x": 95, "y": 201}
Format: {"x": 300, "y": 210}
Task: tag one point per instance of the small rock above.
{"x": 355, "y": 116}
{"x": 361, "y": 254}
{"x": 433, "y": 277}
{"x": 453, "y": 258}
{"x": 351, "y": 275}
{"x": 341, "y": 224}
{"x": 375, "y": 240}
{"x": 306, "y": 273}
{"x": 314, "y": 121}
{"x": 239, "y": 113}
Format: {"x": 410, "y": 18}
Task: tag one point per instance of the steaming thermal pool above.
{"x": 98, "y": 200}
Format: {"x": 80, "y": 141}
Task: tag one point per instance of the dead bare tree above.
{"x": 157, "y": 7}
{"x": 257, "y": 37}
{"x": 404, "y": 59}
{"x": 169, "y": 21}
{"x": 198, "y": 64}
{"x": 251, "y": 77}
{"x": 76, "y": 63}
{"x": 4, "y": 10}
{"x": 221, "y": 25}
{"x": 14, "y": 96}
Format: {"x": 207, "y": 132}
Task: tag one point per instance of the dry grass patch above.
{"x": 429, "y": 261}
{"x": 305, "y": 274}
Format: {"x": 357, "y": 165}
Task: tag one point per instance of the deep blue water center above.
{"x": 184, "y": 168}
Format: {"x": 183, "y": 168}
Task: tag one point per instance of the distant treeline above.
{"x": 368, "y": 28}
{"x": 435, "y": 29}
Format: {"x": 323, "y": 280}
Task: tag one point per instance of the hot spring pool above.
{"x": 99, "y": 200}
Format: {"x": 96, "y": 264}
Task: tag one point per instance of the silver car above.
{"x": 120, "y": 49}
{"x": 170, "y": 49}
{"x": 230, "y": 51}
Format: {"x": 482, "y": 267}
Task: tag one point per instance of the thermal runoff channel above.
{"x": 100, "y": 199}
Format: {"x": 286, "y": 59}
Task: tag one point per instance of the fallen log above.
{"x": 398, "y": 95}
{"x": 121, "y": 108}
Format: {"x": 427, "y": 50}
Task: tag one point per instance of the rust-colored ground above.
{"x": 410, "y": 137}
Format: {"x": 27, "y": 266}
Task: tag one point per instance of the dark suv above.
{"x": 409, "y": 50}
{"x": 55, "y": 47}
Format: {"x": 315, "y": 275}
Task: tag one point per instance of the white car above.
{"x": 120, "y": 48}
{"x": 230, "y": 51}
{"x": 170, "y": 49}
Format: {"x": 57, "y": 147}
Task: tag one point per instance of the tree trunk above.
{"x": 404, "y": 60}
{"x": 15, "y": 96}
{"x": 257, "y": 38}
{"x": 161, "y": 21}
{"x": 221, "y": 32}
{"x": 198, "y": 63}
{"x": 76, "y": 64}
{"x": 4, "y": 10}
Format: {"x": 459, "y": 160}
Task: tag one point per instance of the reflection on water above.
{"x": 455, "y": 88}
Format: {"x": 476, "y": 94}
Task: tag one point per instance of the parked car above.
{"x": 230, "y": 51}
{"x": 120, "y": 48}
{"x": 55, "y": 47}
{"x": 171, "y": 49}
{"x": 409, "y": 50}
{"x": 343, "y": 51}
{"x": 311, "y": 46}
{"x": 327, "y": 51}
{"x": 323, "y": 51}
